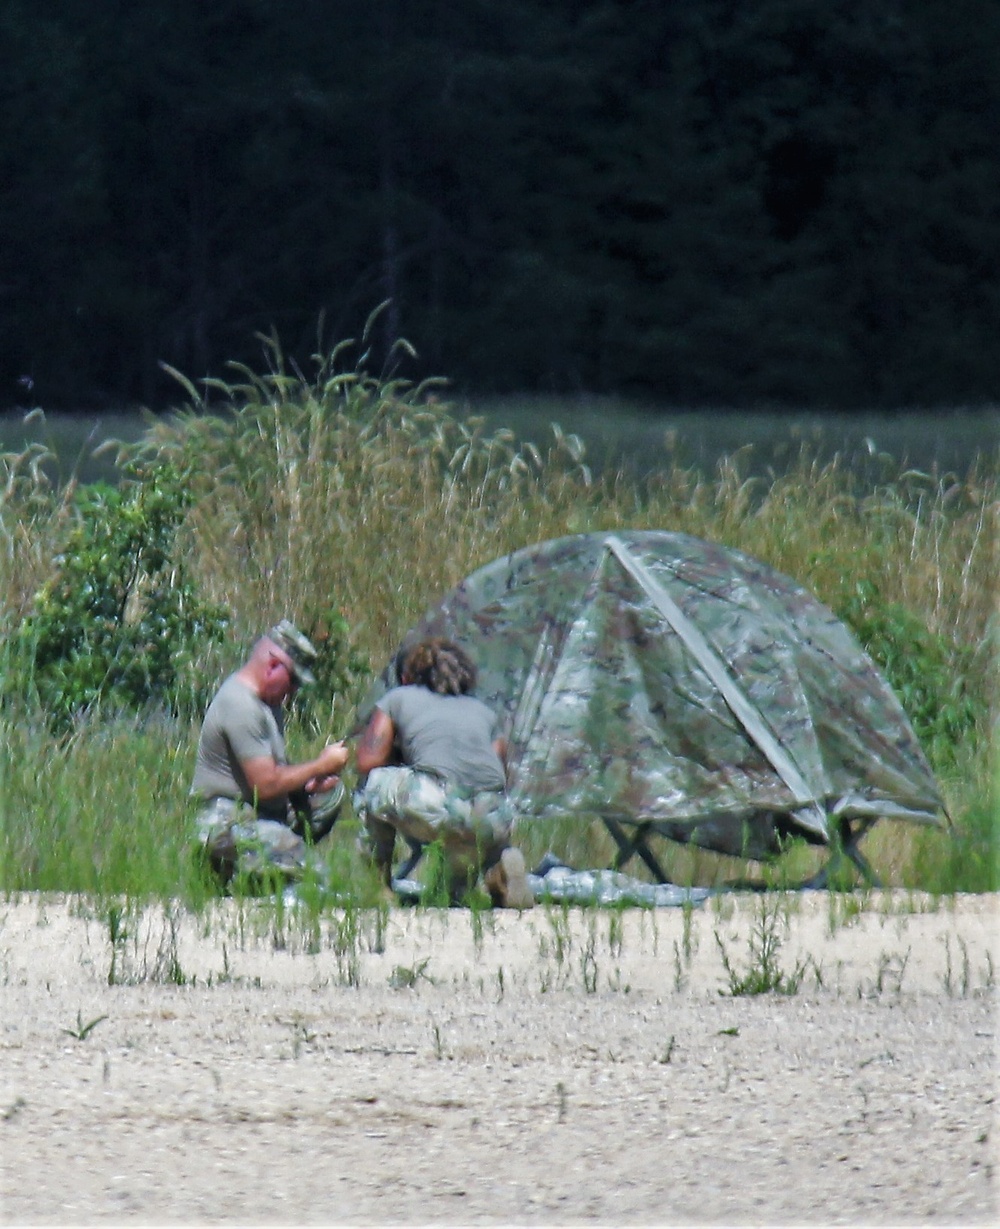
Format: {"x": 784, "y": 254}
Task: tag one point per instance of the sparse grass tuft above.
{"x": 82, "y": 1031}
{"x": 764, "y": 973}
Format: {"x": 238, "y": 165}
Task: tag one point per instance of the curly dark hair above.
{"x": 440, "y": 666}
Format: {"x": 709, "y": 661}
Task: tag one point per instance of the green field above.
{"x": 644, "y": 438}
{"x": 619, "y": 434}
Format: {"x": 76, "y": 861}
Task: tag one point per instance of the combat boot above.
{"x": 507, "y": 881}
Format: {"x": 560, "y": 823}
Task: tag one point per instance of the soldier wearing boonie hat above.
{"x": 299, "y": 648}
{"x": 259, "y": 810}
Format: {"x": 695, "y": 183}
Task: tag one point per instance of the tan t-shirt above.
{"x": 238, "y": 726}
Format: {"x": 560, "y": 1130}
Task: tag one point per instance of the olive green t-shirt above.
{"x": 450, "y": 737}
{"x": 238, "y": 726}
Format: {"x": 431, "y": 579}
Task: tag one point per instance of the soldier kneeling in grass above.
{"x": 260, "y": 813}
{"x": 450, "y": 785}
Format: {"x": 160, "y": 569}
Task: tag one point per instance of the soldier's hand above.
{"x": 332, "y": 758}
{"x": 322, "y": 785}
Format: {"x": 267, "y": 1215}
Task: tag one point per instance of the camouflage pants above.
{"x": 236, "y": 841}
{"x": 473, "y": 830}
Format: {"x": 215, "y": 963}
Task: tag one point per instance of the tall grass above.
{"x": 99, "y": 810}
{"x": 365, "y": 496}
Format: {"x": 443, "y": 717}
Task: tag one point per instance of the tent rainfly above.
{"x": 669, "y": 685}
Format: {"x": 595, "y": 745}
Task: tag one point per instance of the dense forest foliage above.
{"x": 698, "y": 201}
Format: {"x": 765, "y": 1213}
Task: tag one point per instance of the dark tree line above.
{"x": 701, "y": 201}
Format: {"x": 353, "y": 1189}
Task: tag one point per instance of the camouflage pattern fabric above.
{"x": 472, "y": 829}
{"x": 655, "y": 678}
{"x": 235, "y": 841}
{"x": 562, "y": 885}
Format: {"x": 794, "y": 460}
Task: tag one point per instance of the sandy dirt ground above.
{"x": 557, "y": 1067}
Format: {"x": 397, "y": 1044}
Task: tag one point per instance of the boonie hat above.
{"x": 300, "y": 649}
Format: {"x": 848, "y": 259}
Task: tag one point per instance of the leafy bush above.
{"x": 119, "y": 624}
{"x": 929, "y": 673}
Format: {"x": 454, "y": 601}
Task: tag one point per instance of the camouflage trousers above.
{"x": 472, "y": 829}
{"x": 236, "y": 841}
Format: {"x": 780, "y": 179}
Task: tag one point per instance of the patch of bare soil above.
{"x": 554, "y": 1067}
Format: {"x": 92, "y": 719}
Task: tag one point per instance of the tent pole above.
{"x": 809, "y": 813}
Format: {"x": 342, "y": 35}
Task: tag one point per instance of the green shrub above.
{"x": 119, "y": 625}
{"x": 929, "y": 673}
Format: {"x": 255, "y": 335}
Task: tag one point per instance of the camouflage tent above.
{"x": 673, "y": 686}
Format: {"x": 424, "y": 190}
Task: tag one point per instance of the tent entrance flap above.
{"x": 808, "y": 812}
